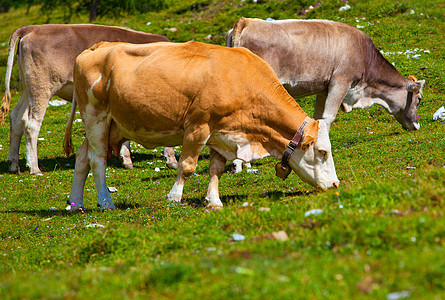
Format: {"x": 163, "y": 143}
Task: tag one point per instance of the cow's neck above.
{"x": 278, "y": 121}
{"x": 379, "y": 72}
{"x": 268, "y": 120}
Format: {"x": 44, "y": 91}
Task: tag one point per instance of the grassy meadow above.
{"x": 381, "y": 235}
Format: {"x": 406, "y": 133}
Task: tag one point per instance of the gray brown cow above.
{"x": 194, "y": 94}
{"x": 335, "y": 61}
{"x": 46, "y": 55}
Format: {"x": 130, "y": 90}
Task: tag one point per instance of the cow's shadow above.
{"x": 227, "y": 200}
{"x": 48, "y": 165}
{"x": 49, "y": 213}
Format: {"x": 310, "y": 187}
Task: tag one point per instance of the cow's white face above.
{"x": 315, "y": 164}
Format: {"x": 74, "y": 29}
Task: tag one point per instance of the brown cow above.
{"x": 46, "y": 55}
{"x": 193, "y": 94}
{"x": 332, "y": 60}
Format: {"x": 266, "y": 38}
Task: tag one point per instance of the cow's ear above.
{"x": 416, "y": 86}
{"x": 308, "y": 141}
{"x": 310, "y": 134}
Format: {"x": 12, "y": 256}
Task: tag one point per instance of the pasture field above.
{"x": 381, "y": 235}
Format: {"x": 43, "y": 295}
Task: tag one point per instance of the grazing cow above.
{"x": 331, "y": 60}
{"x": 46, "y": 55}
{"x": 193, "y": 94}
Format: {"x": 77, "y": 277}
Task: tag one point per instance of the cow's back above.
{"x": 305, "y": 53}
{"x": 190, "y": 82}
{"x": 54, "y": 47}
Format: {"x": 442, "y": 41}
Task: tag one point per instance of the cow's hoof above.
{"x": 36, "y": 172}
{"x": 13, "y": 168}
{"x": 126, "y": 162}
{"x": 214, "y": 207}
{"x": 173, "y": 165}
{"x": 106, "y": 205}
{"x": 128, "y": 166}
{"x": 74, "y": 207}
{"x": 73, "y": 210}
{"x": 173, "y": 197}
{"x": 214, "y": 203}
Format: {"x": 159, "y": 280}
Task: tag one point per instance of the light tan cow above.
{"x": 335, "y": 61}
{"x": 46, "y": 55}
{"x": 193, "y": 94}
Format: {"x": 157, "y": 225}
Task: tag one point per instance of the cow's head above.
{"x": 400, "y": 101}
{"x": 410, "y": 97}
{"x": 312, "y": 159}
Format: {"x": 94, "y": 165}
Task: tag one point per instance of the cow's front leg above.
{"x": 80, "y": 175}
{"x": 194, "y": 141}
{"x": 125, "y": 156}
{"x": 217, "y": 164}
{"x": 326, "y": 107}
{"x": 187, "y": 166}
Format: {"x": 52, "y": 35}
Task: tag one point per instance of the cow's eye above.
{"x": 324, "y": 154}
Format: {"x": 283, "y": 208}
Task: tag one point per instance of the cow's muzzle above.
{"x": 324, "y": 186}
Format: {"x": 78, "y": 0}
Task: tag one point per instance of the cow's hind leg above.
{"x": 97, "y": 129}
{"x": 18, "y": 116}
{"x": 169, "y": 154}
{"x": 98, "y": 165}
{"x": 238, "y": 165}
{"x": 38, "y": 102}
{"x": 125, "y": 156}
{"x": 194, "y": 141}
{"x": 80, "y": 175}
{"x": 217, "y": 164}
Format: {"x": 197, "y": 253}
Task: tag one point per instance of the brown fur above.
{"x": 284, "y": 118}
{"x": 46, "y": 55}
{"x": 193, "y": 94}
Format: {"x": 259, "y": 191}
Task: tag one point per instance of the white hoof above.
{"x": 214, "y": 203}
{"x": 174, "y": 197}
{"x": 175, "y": 193}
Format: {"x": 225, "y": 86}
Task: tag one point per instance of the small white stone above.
{"x": 316, "y": 211}
{"x": 112, "y": 189}
{"x": 264, "y": 209}
{"x": 95, "y": 225}
{"x": 344, "y": 8}
{"x": 238, "y": 237}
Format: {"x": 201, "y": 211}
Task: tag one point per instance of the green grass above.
{"x": 382, "y": 231}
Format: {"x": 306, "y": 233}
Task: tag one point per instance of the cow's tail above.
{"x": 234, "y": 35}
{"x": 229, "y": 38}
{"x": 6, "y": 101}
{"x": 68, "y": 147}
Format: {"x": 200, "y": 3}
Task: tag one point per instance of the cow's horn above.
{"x": 412, "y": 77}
